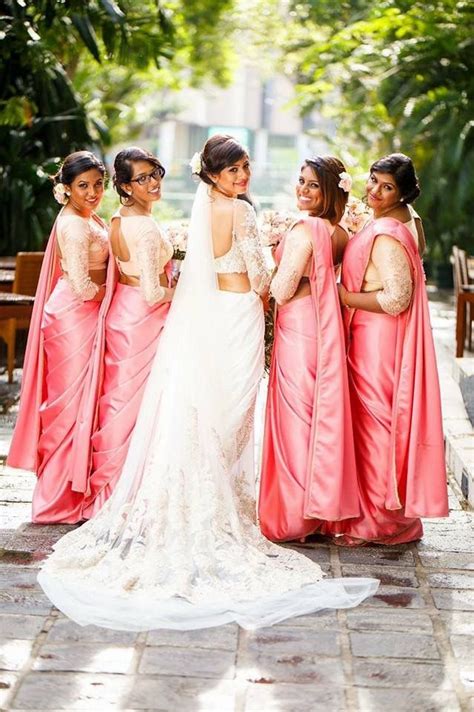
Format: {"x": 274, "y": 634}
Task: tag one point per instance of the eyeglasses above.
{"x": 157, "y": 174}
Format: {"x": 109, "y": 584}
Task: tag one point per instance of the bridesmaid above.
{"x": 60, "y": 351}
{"x": 308, "y": 468}
{"x": 135, "y": 318}
{"x": 393, "y": 378}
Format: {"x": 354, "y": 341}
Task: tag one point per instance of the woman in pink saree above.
{"x": 308, "y": 467}
{"x": 57, "y": 399}
{"x": 393, "y": 378}
{"x": 134, "y": 320}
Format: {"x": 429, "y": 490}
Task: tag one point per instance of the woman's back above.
{"x": 238, "y": 257}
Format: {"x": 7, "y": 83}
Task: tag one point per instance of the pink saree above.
{"x": 396, "y": 407}
{"x": 59, "y": 394}
{"x": 132, "y": 330}
{"x": 308, "y": 466}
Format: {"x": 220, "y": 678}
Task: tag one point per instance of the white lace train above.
{"x": 177, "y": 545}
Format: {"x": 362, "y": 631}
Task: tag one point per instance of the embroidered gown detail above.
{"x": 177, "y": 545}
{"x": 308, "y": 465}
{"x": 134, "y": 322}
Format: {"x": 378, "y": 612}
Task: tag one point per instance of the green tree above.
{"x": 70, "y": 70}
{"x": 397, "y": 75}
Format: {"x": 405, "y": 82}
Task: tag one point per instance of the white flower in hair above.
{"x": 195, "y": 163}
{"x": 345, "y": 181}
{"x": 59, "y": 192}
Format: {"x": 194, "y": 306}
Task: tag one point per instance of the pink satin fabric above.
{"x": 61, "y": 376}
{"x": 132, "y": 330}
{"x": 396, "y": 406}
{"x": 69, "y": 330}
{"x": 308, "y": 465}
{"x": 23, "y": 451}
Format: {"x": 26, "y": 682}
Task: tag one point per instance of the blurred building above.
{"x": 258, "y": 112}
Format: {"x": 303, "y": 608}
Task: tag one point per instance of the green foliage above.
{"x": 72, "y": 73}
{"x": 397, "y": 75}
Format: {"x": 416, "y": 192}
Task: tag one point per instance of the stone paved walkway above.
{"x": 408, "y": 649}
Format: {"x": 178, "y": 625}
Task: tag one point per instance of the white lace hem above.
{"x": 139, "y": 612}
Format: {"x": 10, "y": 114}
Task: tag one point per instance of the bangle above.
{"x": 346, "y": 301}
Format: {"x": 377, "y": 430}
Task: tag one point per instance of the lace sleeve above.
{"x": 296, "y": 253}
{"x": 391, "y": 262}
{"x": 149, "y": 264}
{"x": 75, "y": 252}
{"x": 246, "y": 234}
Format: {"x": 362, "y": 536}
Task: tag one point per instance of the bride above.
{"x": 177, "y": 545}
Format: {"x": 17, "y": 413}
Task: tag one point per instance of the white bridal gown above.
{"x": 177, "y": 545}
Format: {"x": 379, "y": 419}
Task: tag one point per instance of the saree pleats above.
{"x": 131, "y": 332}
{"x": 69, "y": 329}
{"x": 396, "y": 407}
{"x": 308, "y": 464}
{"x": 372, "y": 363}
{"x": 288, "y": 422}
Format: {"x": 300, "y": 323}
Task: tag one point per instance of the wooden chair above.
{"x": 27, "y": 272}
{"x": 464, "y": 293}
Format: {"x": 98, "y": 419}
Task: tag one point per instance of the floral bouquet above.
{"x": 356, "y": 214}
{"x": 273, "y": 225}
{"x": 177, "y": 234}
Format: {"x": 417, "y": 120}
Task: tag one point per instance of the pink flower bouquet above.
{"x": 274, "y": 224}
{"x": 356, "y": 214}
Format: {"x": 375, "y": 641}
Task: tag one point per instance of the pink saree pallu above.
{"x": 308, "y": 465}
{"x": 59, "y": 393}
{"x": 132, "y": 330}
{"x": 396, "y": 405}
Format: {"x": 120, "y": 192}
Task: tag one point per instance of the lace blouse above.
{"x": 293, "y": 266}
{"x": 149, "y": 252}
{"x": 389, "y": 272}
{"x": 84, "y": 246}
{"x": 245, "y": 254}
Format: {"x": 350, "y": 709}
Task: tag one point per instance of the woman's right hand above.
{"x": 169, "y": 294}
{"x": 100, "y": 294}
{"x": 343, "y": 294}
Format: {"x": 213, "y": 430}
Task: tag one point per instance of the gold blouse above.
{"x": 388, "y": 273}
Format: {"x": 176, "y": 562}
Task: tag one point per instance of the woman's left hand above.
{"x": 342, "y": 294}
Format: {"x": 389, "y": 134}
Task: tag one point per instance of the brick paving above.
{"x": 409, "y": 648}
